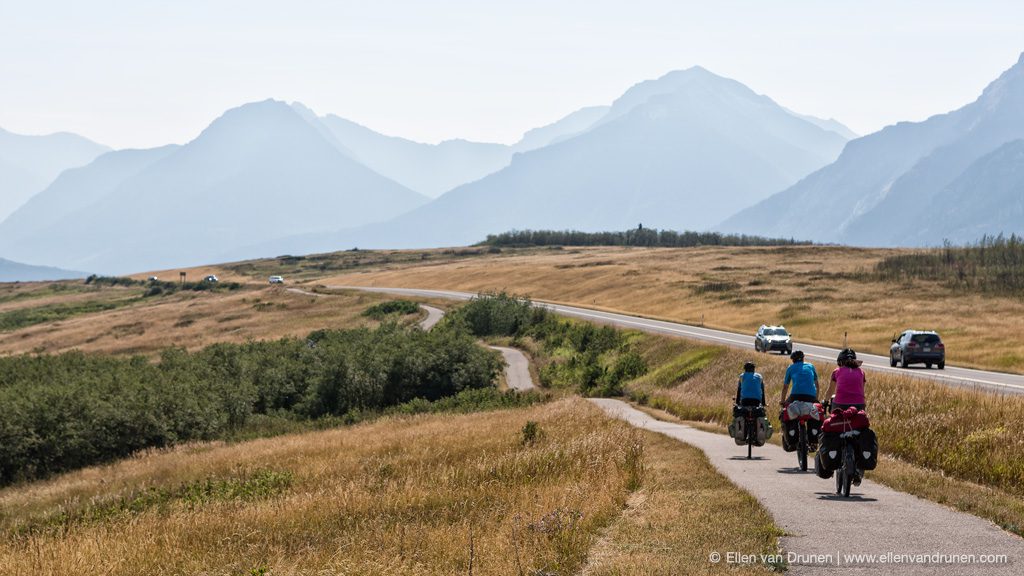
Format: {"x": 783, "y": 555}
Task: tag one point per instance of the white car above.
{"x": 211, "y": 279}
{"x": 277, "y": 279}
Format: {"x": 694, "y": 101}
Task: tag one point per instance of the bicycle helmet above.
{"x": 847, "y": 356}
{"x": 749, "y": 367}
{"x": 797, "y": 356}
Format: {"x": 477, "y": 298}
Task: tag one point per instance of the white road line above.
{"x": 963, "y": 377}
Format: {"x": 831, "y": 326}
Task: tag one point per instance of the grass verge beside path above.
{"x": 684, "y": 512}
{"x": 552, "y": 489}
{"x": 418, "y": 495}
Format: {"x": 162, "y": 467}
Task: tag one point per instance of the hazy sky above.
{"x": 137, "y": 73}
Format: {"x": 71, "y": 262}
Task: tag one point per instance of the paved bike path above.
{"x": 517, "y": 368}
{"x": 434, "y": 316}
{"x": 874, "y": 520}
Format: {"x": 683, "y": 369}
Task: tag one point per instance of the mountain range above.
{"x": 684, "y": 151}
{"x": 954, "y": 176}
{"x": 17, "y": 272}
{"x": 29, "y": 163}
{"x": 433, "y": 169}
{"x": 270, "y": 175}
{"x": 258, "y": 171}
{"x": 681, "y": 151}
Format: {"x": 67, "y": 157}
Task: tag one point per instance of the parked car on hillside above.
{"x": 211, "y": 279}
{"x": 769, "y": 338}
{"x": 277, "y": 279}
{"x": 917, "y": 347}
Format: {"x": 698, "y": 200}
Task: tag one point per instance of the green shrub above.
{"x": 66, "y": 411}
{"x": 498, "y": 314}
{"x": 396, "y": 307}
{"x": 531, "y": 433}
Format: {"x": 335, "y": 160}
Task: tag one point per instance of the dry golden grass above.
{"x": 191, "y": 320}
{"x": 420, "y": 495}
{"x": 685, "y": 511}
{"x": 16, "y": 296}
{"x": 394, "y": 496}
{"x": 811, "y": 289}
{"x": 197, "y": 273}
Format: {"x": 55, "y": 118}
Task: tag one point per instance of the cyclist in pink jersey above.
{"x": 847, "y": 382}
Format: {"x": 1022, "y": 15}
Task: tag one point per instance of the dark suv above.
{"x": 917, "y": 347}
{"x": 770, "y": 338}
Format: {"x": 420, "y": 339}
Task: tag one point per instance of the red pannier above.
{"x": 844, "y": 421}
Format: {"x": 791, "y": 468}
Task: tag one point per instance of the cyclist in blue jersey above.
{"x": 803, "y": 378}
{"x": 750, "y": 388}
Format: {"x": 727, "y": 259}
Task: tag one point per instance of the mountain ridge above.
{"x": 29, "y": 163}
{"x": 667, "y": 162}
{"x": 874, "y": 190}
{"x": 259, "y": 170}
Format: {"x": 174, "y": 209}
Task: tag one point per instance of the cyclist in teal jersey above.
{"x": 803, "y": 378}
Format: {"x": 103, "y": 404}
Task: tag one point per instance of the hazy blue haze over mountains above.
{"x": 433, "y": 169}
{"x": 259, "y": 171}
{"x": 666, "y": 153}
{"x": 75, "y": 190}
{"x": 16, "y": 272}
{"x": 912, "y": 183}
{"x": 682, "y": 152}
{"x": 29, "y": 163}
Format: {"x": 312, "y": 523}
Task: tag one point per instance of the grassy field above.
{"x": 430, "y": 494}
{"x": 189, "y": 319}
{"x": 818, "y": 292}
{"x": 437, "y": 494}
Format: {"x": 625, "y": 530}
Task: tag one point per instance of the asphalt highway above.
{"x": 997, "y": 382}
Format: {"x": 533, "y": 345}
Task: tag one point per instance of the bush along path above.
{"x": 876, "y": 528}
{"x": 517, "y": 365}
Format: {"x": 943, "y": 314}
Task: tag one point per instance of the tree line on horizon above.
{"x": 640, "y": 236}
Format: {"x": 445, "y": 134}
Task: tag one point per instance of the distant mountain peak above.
{"x": 695, "y": 78}
{"x": 254, "y": 123}
{"x": 1009, "y": 82}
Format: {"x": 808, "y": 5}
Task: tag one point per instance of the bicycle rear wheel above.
{"x": 849, "y": 469}
{"x": 801, "y": 450}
